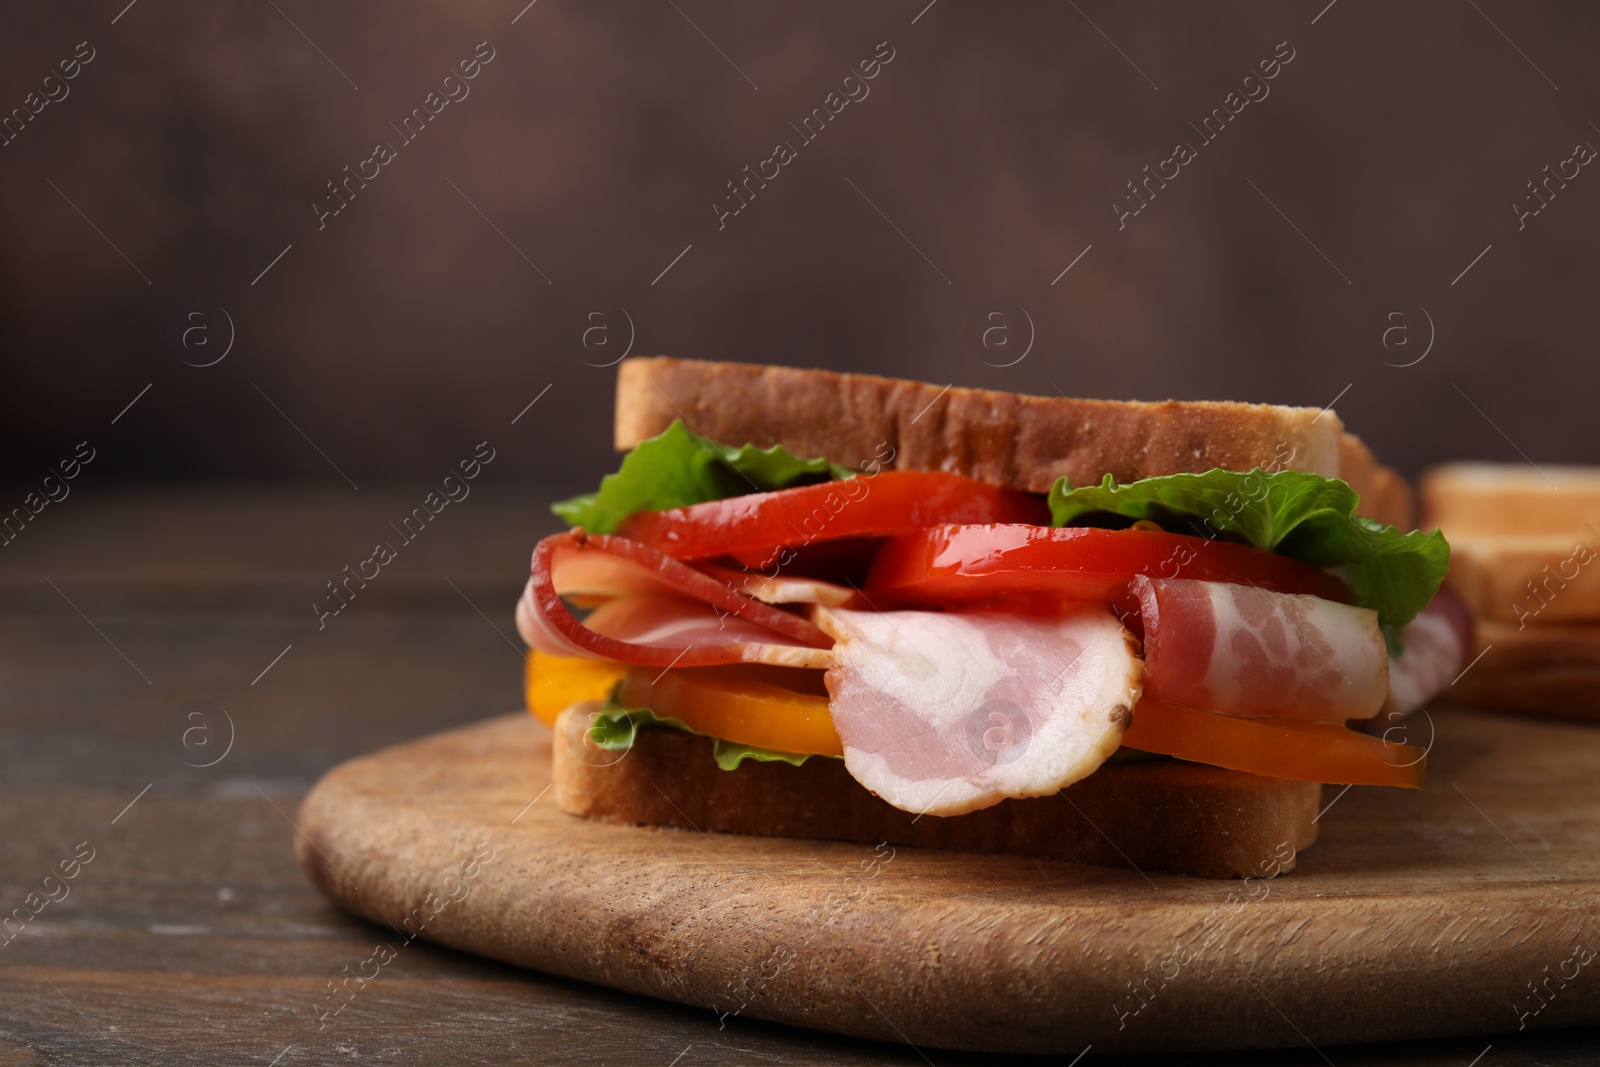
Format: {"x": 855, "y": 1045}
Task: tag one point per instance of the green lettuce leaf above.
{"x": 729, "y": 754}
{"x": 677, "y": 468}
{"x": 615, "y": 727}
{"x": 1303, "y": 516}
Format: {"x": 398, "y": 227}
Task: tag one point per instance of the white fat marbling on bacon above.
{"x": 536, "y": 631}
{"x": 668, "y": 622}
{"x": 1241, "y": 650}
{"x": 783, "y": 589}
{"x": 678, "y": 622}
{"x": 1436, "y": 645}
{"x": 590, "y": 577}
{"x": 943, "y": 713}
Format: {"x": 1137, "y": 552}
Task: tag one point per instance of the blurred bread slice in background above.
{"x": 1543, "y": 670}
{"x": 1528, "y": 578}
{"x": 1525, "y": 555}
{"x": 1510, "y": 499}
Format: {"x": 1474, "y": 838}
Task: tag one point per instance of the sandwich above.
{"x": 844, "y": 607}
{"x": 1525, "y": 549}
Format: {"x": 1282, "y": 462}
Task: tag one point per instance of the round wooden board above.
{"x": 1416, "y": 914}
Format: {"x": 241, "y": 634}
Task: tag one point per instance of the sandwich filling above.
{"x": 957, "y": 643}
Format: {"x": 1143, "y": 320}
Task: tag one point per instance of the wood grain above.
{"x": 1418, "y": 914}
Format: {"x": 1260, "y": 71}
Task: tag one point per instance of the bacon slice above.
{"x": 1436, "y": 645}
{"x": 653, "y": 610}
{"x": 1241, "y": 650}
{"x": 946, "y": 713}
{"x": 782, "y": 589}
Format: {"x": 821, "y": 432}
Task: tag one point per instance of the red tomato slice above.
{"x": 893, "y": 502}
{"x": 945, "y": 564}
{"x": 1275, "y": 748}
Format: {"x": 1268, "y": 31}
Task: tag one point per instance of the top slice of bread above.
{"x": 1023, "y": 442}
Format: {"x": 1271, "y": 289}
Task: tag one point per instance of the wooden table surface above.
{"x": 190, "y": 936}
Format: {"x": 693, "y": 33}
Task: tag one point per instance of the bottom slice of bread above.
{"x": 1152, "y": 815}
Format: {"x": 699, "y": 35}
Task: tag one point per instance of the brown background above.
{"x": 996, "y": 140}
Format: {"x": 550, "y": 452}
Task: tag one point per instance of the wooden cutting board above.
{"x": 1468, "y": 907}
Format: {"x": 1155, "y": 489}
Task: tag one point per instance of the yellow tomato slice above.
{"x": 1275, "y": 748}
{"x": 555, "y": 683}
{"x": 778, "y": 708}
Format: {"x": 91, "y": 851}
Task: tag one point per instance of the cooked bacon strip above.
{"x": 946, "y": 713}
{"x": 1241, "y": 650}
{"x": 655, "y": 611}
{"x": 1436, "y": 646}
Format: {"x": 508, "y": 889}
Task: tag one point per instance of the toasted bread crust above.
{"x": 1024, "y": 442}
{"x": 1179, "y": 818}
